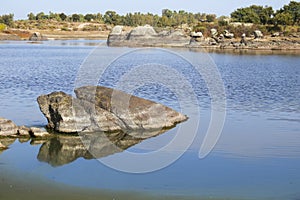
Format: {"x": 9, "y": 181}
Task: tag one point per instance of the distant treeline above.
{"x": 260, "y": 15}
{"x": 168, "y": 18}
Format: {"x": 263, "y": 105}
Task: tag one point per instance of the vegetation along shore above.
{"x": 253, "y": 27}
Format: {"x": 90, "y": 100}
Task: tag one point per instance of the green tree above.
{"x": 63, "y": 16}
{"x": 165, "y": 21}
{"x": 31, "y": 16}
{"x": 99, "y": 17}
{"x": 266, "y": 15}
{"x": 293, "y": 8}
{"x": 89, "y": 17}
{"x": 253, "y": 14}
{"x": 211, "y": 17}
{"x": 41, "y": 16}
{"x": 7, "y": 19}
{"x": 223, "y": 21}
{"x": 283, "y": 18}
{"x": 75, "y": 18}
{"x": 54, "y": 16}
{"x": 111, "y": 17}
{"x": 168, "y": 13}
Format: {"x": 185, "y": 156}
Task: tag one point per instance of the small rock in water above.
{"x": 38, "y": 132}
{"x": 7, "y": 127}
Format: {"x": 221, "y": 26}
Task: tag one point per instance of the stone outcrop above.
{"x": 146, "y": 36}
{"x": 228, "y": 35}
{"x": 214, "y": 32}
{"x": 196, "y": 34}
{"x": 99, "y": 108}
{"x": 37, "y": 36}
{"x": 258, "y": 34}
{"x": 8, "y": 128}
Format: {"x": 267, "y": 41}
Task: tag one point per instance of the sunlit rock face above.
{"x": 98, "y": 108}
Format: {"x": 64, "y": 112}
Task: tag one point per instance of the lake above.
{"x": 257, "y": 155}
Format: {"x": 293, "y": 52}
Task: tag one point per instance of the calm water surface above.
{"x": 257, "y": 156}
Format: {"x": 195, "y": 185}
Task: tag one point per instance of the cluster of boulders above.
{"x": 10, "y": 129}
{"x": 146, "y": 36}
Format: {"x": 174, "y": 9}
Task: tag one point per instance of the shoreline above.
{"x": 291, "y": 45}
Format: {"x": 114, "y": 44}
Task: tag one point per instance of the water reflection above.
{"x": 62, "y": 149}
{"x": 4, "y": 142}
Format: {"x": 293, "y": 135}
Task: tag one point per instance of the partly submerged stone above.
{"x": 98, "y": 108}
{"x": 37, "y": 36}
{"x": 7, "y": 127}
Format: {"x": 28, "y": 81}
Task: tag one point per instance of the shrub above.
{"x": 2, "y": 27}
{"x": 65, "y": 29}
{"x": 273, "y": 29}
{"x": 90, "y": 28}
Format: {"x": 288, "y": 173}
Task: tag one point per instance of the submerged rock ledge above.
{"x": 98, "y": 108}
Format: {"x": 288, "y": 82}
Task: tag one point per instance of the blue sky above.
{"x": 220, "y": 7}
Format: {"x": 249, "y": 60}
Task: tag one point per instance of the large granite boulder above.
{"x": 196, "y": 34}
{"x": 37, "y": 36}
{"x": 99, "y": 108}
{"x": 214, "y": 32}
{"x": 228, "y": 35}
{"x": 117, "y": 30}
{"x": 258, "y": 34}
{"x": 142, "y": 31}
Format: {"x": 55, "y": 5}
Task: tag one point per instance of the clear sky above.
{"x": 220, "y": 7}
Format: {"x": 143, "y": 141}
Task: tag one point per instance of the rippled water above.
{"x": 257, "y": 156}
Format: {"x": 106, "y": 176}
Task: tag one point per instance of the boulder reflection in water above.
{"x": 63, "y": 149}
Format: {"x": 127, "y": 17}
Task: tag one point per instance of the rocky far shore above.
{"x": 146, "y": 36}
